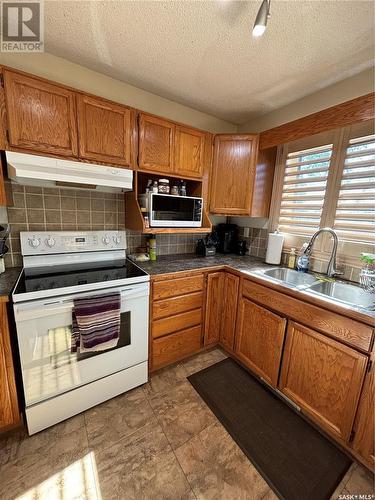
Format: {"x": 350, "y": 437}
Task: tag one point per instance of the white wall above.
{"x": 62, "y": 71}
{"x": 352, "y": 87}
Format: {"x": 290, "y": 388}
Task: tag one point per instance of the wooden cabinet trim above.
{"x": 352, "y": 392}
{"x": 340, "y": 327}
{"x": 9, "y": 411}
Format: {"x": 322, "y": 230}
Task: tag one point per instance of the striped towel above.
{"x": 96, "y": 323}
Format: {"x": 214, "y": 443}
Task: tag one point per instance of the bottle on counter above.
{"x": 152, "y": 247}
{"x": 149, "y": 186}
{"x": 175, "y": 190}
{"x": 147, "y": 221}
{"x": 303, "y": 260}
{"x": 155, "y": 187}
{"x": 292, "y": 258}
{"x": 183, "y": 188}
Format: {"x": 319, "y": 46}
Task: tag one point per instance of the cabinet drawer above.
{"x": 178, "y": 286}
{"x": 345, "y": 329}
{"x": 176, "y": 346}
{"x": 175, "y": 323}
{"x": 176, "y": 305}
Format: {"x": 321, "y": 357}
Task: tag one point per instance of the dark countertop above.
{"x": 187, "y": 262}
{"x": 253, "y": 266}
{"x": 7, "y": 281}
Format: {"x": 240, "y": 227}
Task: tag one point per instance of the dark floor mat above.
{"x": 293, "y": 457}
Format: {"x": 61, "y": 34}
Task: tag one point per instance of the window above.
{"x": 327, "y": 180}
{"x": 355, "y": 212}
{"x": 304, "y": 189}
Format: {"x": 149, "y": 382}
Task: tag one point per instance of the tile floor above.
{"x": 158, "y": 441}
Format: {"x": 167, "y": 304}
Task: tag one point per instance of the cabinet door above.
{"x": 105, "y": 131}
{"x": 41, "y": 115}
{"x": 228, "y": 327}
{"x": 233, "y": 174}
{"x": 156, "y": 144}
{"x": 9, "y": 413}
{"x": 259, "y": 342}
{"x": 214, "y": 308}
{"x": 323, "y": 377}
{"x": 364, "y": 426}
{"x": 189, "y": 152}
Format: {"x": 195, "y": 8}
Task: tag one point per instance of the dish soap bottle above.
{"x": 303, "y": 260}
{"x": 292, "y": 259}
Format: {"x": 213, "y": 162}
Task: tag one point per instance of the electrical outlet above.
{"x": 246, "y": 232}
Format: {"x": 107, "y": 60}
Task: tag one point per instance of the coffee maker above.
{"x": 227, "y": 235}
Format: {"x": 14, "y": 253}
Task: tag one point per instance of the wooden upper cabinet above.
{"x": 323, "y": 377}
{"x": 105, "y": 131}
{"x": 41, "y": 115}
{"x": 214, "y": 307}
{"x": 259, "y": 342}
{"x": 233, "y": 174}
{"x": 9, "y": 412}
{"x": 156, "y": 144}
{"x": 189, "y": 152}
{"x": 364, "y": 426}
{"x": 228, "y": 326}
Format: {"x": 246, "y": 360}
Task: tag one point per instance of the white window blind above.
{"x": 304, "y": 189}
{"x": 355, "y": 212}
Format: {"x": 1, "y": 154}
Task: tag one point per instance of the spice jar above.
{"x": 164, "y": 186}
{"x": 175, "y": 190}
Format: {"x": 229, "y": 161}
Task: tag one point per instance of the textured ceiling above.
{"x": 202, "y": 54}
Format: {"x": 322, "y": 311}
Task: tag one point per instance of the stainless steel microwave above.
{"x": 166, "y": 210}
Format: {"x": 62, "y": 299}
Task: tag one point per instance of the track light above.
{"x": 262, "y": 18}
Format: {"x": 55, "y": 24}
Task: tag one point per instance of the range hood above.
{"x": 45, "y": 171}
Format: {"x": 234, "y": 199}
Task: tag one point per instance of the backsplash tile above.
{"x": 55, "y": 209}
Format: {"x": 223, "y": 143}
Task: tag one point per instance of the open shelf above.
{"x": 134, "y": 217}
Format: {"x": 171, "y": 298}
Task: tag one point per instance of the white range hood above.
{"x": 45, "y": 171}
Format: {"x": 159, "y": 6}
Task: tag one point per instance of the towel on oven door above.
{"x": 96, "y": 322}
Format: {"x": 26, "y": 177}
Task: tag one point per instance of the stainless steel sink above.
{"x": 343, "y": 292}
{"x": 290, "y": 276}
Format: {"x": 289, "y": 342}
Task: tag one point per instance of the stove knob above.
{"x": 34, "y": 242}
{"x": 106, "y": 240}
{"x": 50, "y": 242}
{"x": 117, "y": 240}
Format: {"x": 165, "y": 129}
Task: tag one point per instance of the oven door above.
{"x": 44, "y": 339}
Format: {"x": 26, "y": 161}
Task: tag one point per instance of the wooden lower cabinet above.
{"x": 323, "y": 377}
{"x": 179, "y": 345}
{"x": 176, "y": 317}
{"x": 9, "y": 412}
{"x": 364, "y": 425}
{"x": 228, "y": 319}
{"x": 214, "y": 307}
{"x": 259, "y": 339}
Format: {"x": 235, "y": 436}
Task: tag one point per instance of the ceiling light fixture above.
{"x": 262, "y": 18}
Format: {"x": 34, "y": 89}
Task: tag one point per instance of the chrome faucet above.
{"x": 331, "y": 269}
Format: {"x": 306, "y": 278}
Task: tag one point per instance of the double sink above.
{"x": 340, "y": 291}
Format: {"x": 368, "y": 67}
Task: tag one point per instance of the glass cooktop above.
{"x": 49, "y": 278}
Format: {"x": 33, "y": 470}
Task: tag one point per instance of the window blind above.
{"x": 304, "y": 189}
{"x": 355, "y": 212}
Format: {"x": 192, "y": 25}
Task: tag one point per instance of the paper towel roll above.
{"x": 274, "y": 248}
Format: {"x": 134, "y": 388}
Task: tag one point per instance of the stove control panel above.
{"x": 57, "y": 242}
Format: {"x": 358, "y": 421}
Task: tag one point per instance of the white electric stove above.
{"x": 58, "y": 267}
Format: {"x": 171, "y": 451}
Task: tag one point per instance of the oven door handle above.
{"x": 24, "y": 312}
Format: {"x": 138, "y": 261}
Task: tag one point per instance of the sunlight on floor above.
{"x": 78, "y": 480}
